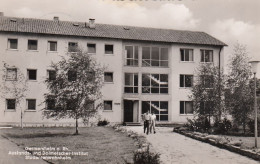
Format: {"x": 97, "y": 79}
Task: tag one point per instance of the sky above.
{"x": 231, "y": 21}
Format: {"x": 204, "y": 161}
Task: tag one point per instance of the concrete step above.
{"x": 132, "y": 124}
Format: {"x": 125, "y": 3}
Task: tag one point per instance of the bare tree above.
{"x": 74, "y": 88}
{"x": 15, "y": 85}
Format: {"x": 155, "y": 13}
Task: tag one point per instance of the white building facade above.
{"x": 146, "y": 68}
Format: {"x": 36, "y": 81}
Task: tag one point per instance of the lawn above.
{"x": 102, "y": 144}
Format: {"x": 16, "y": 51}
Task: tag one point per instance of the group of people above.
{"x": 149, "y": 122}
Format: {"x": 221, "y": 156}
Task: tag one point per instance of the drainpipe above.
{"x": 219, "y": 64}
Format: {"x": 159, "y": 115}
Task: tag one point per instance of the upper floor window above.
{"x": 131, "y": 55}
{"x": 186, "y": 80}
{"x": 72, "y": 46}
{"x": 131, "y": 83}
{"x": 32, "y": 44}
{"x": 52, "y": 46}
{"x": 10, "y": 104}
{"x": 11, "y": 74}
{"x": 72, "y": 75}
{"x": 207, "y": 81}
{"x": 186, "y": 107}
{"x": 108, "y": 77}
{"x": 154, "y": 83}
{"x": 109, "y": 49}
{"x": 91, "y": 48}
{"x": 155, "y": 57}
{"x": 51, "y": 74}
{"x": 31, "y": 104}
{"x": 32, "y": 74}
{"x": 12, "y": 44}
{"x": 186, "y": 55}
{"x": 206, "y": 55}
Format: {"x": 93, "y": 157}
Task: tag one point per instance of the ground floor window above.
{"x": 160, "y": 109}
{"x": 31, "y": 104}
{"x": 186, "y": 107}
{"x": 108, "y": 105}
{"x": 10, "y": 104}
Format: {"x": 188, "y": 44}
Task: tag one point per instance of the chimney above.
{"x": 92, "y": 23}
{"x": 55, "y": 18}
{"x": 1, "y": 14}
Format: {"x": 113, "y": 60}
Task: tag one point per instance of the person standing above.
{"x": 153, "y": 121}
{"x": 146, "y": 119}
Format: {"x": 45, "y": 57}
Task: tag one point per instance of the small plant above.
{"x": 146, "y": 157}
{"x": 102, "y": 122}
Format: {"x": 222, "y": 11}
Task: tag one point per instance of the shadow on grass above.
{"x": 37, "y": 135}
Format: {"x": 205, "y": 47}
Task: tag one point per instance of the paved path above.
{"x": 178, "y": 149}
{"x": 7, "y": 146}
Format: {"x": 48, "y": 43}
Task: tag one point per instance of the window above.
{"x": 206, "y": 55}
{"x": 12, "y": 44}
{"x": 186, "y": 80}
{"x": 207, "y": 81}
{"x": 160, "y": 109}
{"x": 52, "y": 46}
{"x": 108, "y": 77}
{"x": 31, "y": 104}
{"x": 11, "y": 74}
{"x": 186, "y": 107}
{"x": 155, "y": 57}
{"x": 72, "y": 75}
{"x": 186, "y": 55}
{"x": 50, "y": 104}
{"x": 108, "y": 105}
{"x": 10, "y": 104}
{"x": 131, "y": 55}
{"x": 205, "y": 107}
{"x": 109, "y": 49}
{"x": 154, "y": 83}
{"x": 32, "y": 74}
{"x": 91, "y": 48}
{"x": 51, "y": 75}
{"x": 131, "y": 83}
{"x": 72, "y": 47}
{"x": 32, "y": 44}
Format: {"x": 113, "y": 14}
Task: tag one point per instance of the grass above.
{"x": 103, "y": 144}
{"x": 247, "y": 142}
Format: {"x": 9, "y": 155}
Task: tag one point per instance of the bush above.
{"x": 222, "y": 127}
{"x": 251, "y": 125}
{"x": 200, "y": 124}
{"x": 146, "y": 157}
{"x": 102, "y": 122}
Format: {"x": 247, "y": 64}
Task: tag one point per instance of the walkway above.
{"x": 178, "y": 149}
{"x": 7, "y": 146}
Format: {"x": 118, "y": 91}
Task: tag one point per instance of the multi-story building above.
{"x": 147, "y": 68}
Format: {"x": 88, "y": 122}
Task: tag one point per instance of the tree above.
{"x": 207, "y": 93}
{"x": 14, "y": 85}
{"x": 74, "y": 88}
{"x": 239, "y": 95}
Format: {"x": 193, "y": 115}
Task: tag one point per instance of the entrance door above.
{"x": 128, "y": 110}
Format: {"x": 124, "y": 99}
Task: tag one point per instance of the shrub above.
{"x": 222, "y": 127}
{"x": 251, "y": 125}
{"x": 102, "y": 122}
{"x": 200, "y": 124}
{"x": 146, "y": 157}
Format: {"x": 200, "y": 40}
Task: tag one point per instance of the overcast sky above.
{"x": 230, "y": 21}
